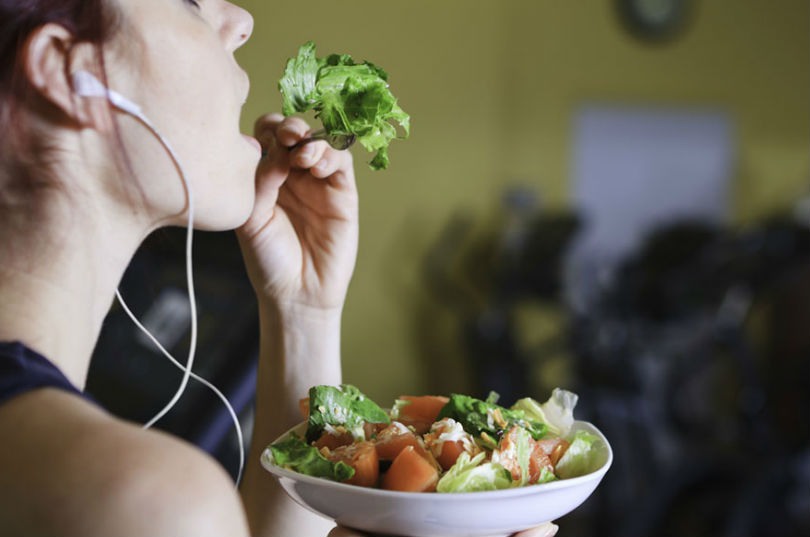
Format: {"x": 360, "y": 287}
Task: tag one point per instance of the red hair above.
{"x": 90, "y": 21}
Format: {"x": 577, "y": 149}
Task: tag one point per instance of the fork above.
{"x": 337, "y": 141}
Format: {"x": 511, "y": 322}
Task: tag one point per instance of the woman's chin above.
{"x": 223, "y": 222}
{"x": 229, "y": 214}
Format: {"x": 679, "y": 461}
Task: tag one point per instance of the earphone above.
{"x": 86, "y": 84}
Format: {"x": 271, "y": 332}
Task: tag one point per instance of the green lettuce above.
{"x": 523, "y": 446}
{"x": 581, "y": 456}
{"x": 487, "y": 419}
{"x": 349, "y": 98}
{"x": 473, "y": 475}
{"x": 519, "y": 449}
{"x": 546, "y": 476}
{"x": 557, "y": 413}
{"x": 295, "y": 454}
{"x": 297, "y": 86}
{"x": 341, "y": 406}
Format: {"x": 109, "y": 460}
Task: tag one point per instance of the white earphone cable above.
{"x": 198, "y": 378}
{"x": 187, "y": 372}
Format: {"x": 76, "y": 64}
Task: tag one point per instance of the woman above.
{"x": 81, "y": 185}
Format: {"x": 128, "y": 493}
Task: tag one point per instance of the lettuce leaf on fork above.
{"x": 349, "y": 98}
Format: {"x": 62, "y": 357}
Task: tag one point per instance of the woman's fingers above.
{"x": 264, "y": 129}
{"x": 548, "y": 529}
{"x": 330, "y": 162}
{"x": 310, "y": 154}
{"x": 317, "y": 156}
{"x": 274, "y": 130}
{"x": 291, "y": 131}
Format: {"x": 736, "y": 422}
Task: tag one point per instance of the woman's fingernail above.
{"x": 548, "y": 529}
{"x": 321, "y": 165}
{"x": 306, "y": 153}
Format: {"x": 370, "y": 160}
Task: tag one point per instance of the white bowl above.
{"x": 424, "y": 514}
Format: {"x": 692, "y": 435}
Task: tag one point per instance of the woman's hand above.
{"x": 299, "y": 245}
{"x": 544, "y": 530}
{"x": 300, "y": 242}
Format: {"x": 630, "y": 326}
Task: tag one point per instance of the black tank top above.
{"x": 23, "y": 370}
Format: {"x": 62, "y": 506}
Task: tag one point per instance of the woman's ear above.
{"x": 50, "y": 56}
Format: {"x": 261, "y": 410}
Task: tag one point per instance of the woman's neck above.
{"x": 59, "y": 275}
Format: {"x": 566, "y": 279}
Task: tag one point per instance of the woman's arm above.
{"x": 300, "y": 246}
{"x": 299, "y": 348}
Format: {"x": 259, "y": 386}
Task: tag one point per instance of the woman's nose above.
{"x": 237, "y": 25}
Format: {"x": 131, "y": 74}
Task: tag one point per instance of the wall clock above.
{"x": 654, "y": 20}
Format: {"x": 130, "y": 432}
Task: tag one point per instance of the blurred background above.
{"x": 609, "y": 196}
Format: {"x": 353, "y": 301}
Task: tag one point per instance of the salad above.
{"x": 349, "y": 98}
{"x": 434, "y": 443}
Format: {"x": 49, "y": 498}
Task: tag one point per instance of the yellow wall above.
{"x": 491, "y": 87}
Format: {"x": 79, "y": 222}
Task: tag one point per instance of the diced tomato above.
{"x": 421, "y": 411}
{"x": 373, "y": 429}
{"x": 393, "y": 439}
{"x": 538, "y": 461}
{"x": 333, "y": 441}
{"x": 396, "y": 437}
{"x": 449, "y": 453}
{"x": 361, "y": 456}
{"x": 539, "y": 457}
{"x": 411, "y": 472}
{"x": 420, "y": 427}
{"x": 447, "y": 440}
{"x": 554, "y": 448}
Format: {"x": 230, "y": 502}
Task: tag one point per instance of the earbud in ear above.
{"x": 87, "y": 85}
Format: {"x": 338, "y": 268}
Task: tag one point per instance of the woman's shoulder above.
{"x": 75, "y": 470}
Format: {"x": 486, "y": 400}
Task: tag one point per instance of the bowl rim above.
{"x": 278, "y": 472}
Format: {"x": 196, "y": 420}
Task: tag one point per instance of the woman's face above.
{"x": 174, "y": 58}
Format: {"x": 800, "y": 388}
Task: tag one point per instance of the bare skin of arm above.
{"x": 300, "y": 247}
{"x": 306, "y": 199}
